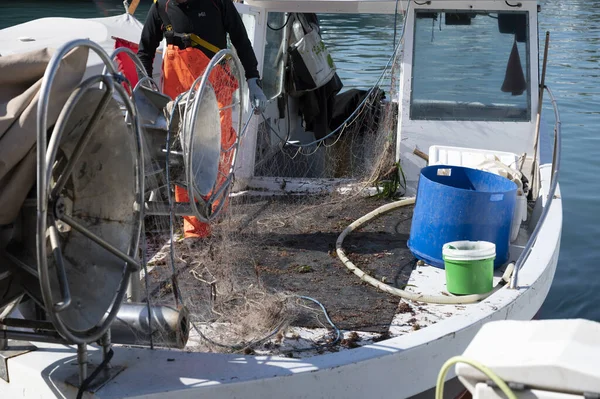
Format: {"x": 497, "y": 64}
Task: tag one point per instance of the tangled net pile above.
{"x": 237, "y": 283}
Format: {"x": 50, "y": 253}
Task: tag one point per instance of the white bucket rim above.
{"x": 475, "y": 250}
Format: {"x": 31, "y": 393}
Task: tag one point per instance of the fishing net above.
{"x": 263, "y": 277}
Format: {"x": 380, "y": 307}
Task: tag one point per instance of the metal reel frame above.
{"x": 189, "y": 103}
{"x": 196, "y": 94}
{"x": 144, "y": 82}
{"x": 49, "y": 197}
{"x": 138, "y": 63}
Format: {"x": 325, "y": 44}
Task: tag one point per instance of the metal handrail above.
{"x": 553, "y": 184}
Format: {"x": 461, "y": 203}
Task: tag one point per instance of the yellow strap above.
{"x": 198, "y": 41}
{"x": 203, "y": 43}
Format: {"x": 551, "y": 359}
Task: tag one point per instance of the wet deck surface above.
{"x": 296, "y": 253}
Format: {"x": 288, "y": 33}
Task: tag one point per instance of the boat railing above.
{"x": 556, "y": 152}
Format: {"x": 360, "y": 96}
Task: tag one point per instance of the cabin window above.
{"x": 471, "y": 66}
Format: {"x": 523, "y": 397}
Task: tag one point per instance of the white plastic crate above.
{"x": 469, "y": 157}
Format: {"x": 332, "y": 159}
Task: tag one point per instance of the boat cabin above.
{"x": 468, "y": 78}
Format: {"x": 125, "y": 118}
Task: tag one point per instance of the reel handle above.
{"x": 61, "y": 274}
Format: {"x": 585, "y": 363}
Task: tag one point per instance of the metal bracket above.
{"x": 15, "y": 348}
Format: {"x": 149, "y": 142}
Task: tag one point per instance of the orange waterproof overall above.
{"x": 180, "y": 69}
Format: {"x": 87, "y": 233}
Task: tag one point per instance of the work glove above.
{"x": 257, "y": 97}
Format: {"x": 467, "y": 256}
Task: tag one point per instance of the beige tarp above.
{"x": 20, "y": 83}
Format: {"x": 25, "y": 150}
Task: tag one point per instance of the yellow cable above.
{"x": 439, "y": 389}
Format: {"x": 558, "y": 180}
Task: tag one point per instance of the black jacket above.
{"x": 211, "y": 20}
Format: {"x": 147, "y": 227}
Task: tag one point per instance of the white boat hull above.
{"x": 403, "y": 366}
{"x": 400, "y": 367}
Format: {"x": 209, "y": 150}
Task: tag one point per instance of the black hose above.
{"x": 86, "y": 383}
{"x": 282, "y": 26}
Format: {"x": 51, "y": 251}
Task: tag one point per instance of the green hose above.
{"x": 439, "y": 388}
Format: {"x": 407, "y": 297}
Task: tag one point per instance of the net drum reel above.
{"x": 193, "y": 140}
{"x": 87, "y": 215}
{"x": 87, "y": 228}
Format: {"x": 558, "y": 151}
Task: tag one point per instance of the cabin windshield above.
{"x": 471, "y": 66}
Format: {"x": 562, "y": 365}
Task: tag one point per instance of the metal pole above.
{"x": 3, "y": 341}
{"x": 82, "y": 361}
{"x": 131, "y": 262}
{"x": 8, "y": 309}
{"x": 52, "y": 338}
{"x": 134, "y": 288}
{"x": 133, "y": 7}
{"x": 105, "y": 342}
{"x": 535, "y": 166}
{"x": 553, "y": 184}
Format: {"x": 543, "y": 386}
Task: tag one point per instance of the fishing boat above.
{"x": 465, "y": 103}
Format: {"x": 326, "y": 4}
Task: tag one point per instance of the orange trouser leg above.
{"x": 228, "y": 137}
{"x": 180, "y": 69}
{"x": 192, "y": 227}
{"x": 225, "y": 86}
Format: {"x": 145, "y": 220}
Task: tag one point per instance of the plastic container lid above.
{"x": 469, "y": 250}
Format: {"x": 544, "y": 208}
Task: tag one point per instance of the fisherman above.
{"x": 195, "y": 31}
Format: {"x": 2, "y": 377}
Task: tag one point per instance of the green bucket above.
{"x": 469, "y": 266}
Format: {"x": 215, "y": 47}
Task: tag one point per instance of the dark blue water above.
{"x": 574, "y": 76}
{"x": 361, "y": 45}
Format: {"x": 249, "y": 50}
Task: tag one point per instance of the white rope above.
{"x": 446, "y": 300}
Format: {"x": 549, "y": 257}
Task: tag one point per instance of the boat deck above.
{"x": 286, "y": 244}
